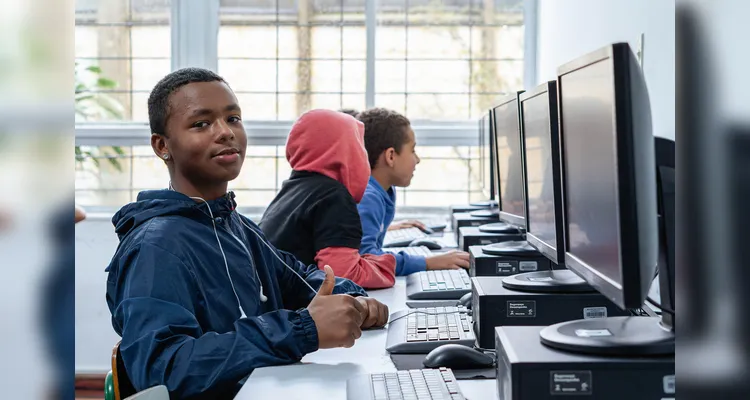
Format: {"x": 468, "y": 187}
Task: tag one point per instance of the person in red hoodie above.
{"x": 314, "y": 216}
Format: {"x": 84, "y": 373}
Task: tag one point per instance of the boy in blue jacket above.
{"x": 391, "y": 149}
{"x": 197, "y": 294}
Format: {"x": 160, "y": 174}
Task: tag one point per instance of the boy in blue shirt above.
{"x": 390, "y": 145}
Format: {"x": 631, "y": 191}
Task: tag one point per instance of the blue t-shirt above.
{"x": 376, "y": 211}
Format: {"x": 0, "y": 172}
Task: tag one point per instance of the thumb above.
{"x": 326, "y": 288}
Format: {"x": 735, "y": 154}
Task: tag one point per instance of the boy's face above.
{"x": 405, "y": 161}
{"x": 205, "y": 136}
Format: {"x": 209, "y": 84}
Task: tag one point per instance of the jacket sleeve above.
{"x": 372, "y": 214}
{"x": 163, "y": 343}
{"x": 369, "y": 271}
{"x": 297, "y": 294}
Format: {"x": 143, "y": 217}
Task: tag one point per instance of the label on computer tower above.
{"x": 570, "y": 382}
{"x": 594, "y": 312}
{"x": 507, "y": 267}
{"x": 669, "y": 384}
{"x": 527, "y": 266}
{"x": 521, "y": 308}
{"x": 477, "y": 223}
{"x": 486, "y": 241}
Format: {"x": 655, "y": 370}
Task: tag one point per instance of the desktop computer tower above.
{"x": 471, "y": 236}
{"x": 493, "y": 305}
{"x": 529, "y": 370}
{"x": 483, "y": 264}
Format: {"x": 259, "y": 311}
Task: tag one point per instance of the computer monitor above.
{"x": 486, "y": 162}
{"x": 541, "y": 138}
{"x": 609, "y": 200}
{"x": 509, "y": 162}
{"x": 486, "y": 156}
{"x": 542, "y": 186}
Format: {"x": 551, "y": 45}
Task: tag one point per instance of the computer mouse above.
{"x": 465, "y": 300}
{"x": 426, "y": 242}
{"x": 427, "y": 230}
{"x": 456, "y": 356}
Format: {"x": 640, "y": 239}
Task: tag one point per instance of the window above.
{"x": 447, "y": 59}
{"x": 440, "y": 62}
{"x": 129, "y": 42}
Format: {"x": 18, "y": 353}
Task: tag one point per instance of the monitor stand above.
{"x": 549, "y": 281}
{"x": 484, "y": 203}
{"x": 486, "y": 213}
{"x": 612, "y": 336}
{"x": 497, "y": 227}
{"x": 509, "y": 248}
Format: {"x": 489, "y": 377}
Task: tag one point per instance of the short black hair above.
{"x": 384, "y": 129}
{"x": 158, "y": 100}
{"x": 350, "y": 111}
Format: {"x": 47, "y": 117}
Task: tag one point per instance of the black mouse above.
{"x": 465, "y": 301}
{"x": 426, "y": 242}
{"x": 456, "y": 356}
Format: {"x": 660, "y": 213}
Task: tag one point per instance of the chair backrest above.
{"x": 123, "y": 386}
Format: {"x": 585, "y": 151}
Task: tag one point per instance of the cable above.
{"x": 226, "y": 264}
{"x": 661, "y": 307}
{"x": 273, "y": 250}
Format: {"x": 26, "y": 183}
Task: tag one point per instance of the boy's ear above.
{"x": 159, "y": 145}
{"x": 389, "y": 156}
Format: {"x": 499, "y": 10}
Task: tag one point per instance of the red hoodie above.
{"x": 332, "y": 144}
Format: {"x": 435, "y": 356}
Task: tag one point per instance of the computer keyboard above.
{"x": 437, "y": 285}
{"x": 436, "y": 224}
{"x": 412, "y": 251}
{"x": 416, "y": 384}
{"x": 402, "y": 237}
{"x": 421, "y": 330}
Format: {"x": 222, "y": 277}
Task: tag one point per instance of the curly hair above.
{"x": 384, "y": 129}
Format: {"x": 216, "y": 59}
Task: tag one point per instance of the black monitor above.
{"x": 486, "y": 162}
{"x": 486, "y": 157}
{"x": 509, "y": 162}
{"x": 544, "y": 227}
{"x": 609, "y": 200}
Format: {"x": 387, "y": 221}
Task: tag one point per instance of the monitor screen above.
{"x": 509, "y": 160}
{"x": 590, "y": 176}
{"x": 540, "y": 181}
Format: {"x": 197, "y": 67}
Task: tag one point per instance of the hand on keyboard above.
{"x": 449, "y": 260}
{"x": 337, "y": 317}
{"x": 407, "y": 224}
{"x": 377, "y": 313}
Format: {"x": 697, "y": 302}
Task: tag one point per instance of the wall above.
{"x": 567, "y": 29}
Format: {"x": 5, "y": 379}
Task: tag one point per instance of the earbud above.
{"x": 263, "y": 297}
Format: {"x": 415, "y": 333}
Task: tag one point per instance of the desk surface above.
{"x": 323, "y": 374}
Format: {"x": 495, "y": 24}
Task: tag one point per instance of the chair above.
{"x": 117, "y": 385}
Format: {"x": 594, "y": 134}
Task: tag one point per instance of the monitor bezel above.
{"x": 554, "y": 254}
{"x": 634, "y": 172}
{"x": 512, "y": 219}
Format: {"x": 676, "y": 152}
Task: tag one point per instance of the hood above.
{"x": 156, "y": 203}
{"x": 330, "y": 143}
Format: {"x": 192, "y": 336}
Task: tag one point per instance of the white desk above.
{"x": 323, "y": 374}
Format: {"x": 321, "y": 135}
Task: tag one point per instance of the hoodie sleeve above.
{"x": 297, "y": 294}
{"x": 162, "y": 341}
{"x": 369, "y": 271}
{"x": 372, "y": 214}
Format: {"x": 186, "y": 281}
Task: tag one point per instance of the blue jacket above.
{"x": 376, "y": 211}
{"x": 177, "y": 309}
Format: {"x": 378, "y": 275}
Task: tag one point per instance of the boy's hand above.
{"x": 407, "y": 224}
{"x": 337, "y": 317}
{"x": 377, "y": 313}
{"x": 449, "y": 260}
